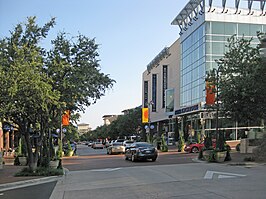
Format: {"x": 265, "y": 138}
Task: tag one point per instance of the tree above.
{"x": 25, "y": 89}
{"x": 241, "y": 81}
{"x": 38, "y": 85}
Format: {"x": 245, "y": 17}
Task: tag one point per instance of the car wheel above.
{"x": 126, "y": 158}
{"x": 153, "y": 159}
{"x": 194, "y": 150}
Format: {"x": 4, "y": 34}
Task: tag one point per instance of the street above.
{"x": 94, "y": 174}
{"x": 89, "y": 158}
{"x": 173, "y": 175}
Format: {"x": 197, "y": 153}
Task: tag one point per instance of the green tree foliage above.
{"x": 241, "y": 81}
{"x": 37, "y": 85}
{"x": 125, "y": 125}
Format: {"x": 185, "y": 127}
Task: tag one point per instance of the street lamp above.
{"x": 149, "y": 120}
{"x": 217, "y": 78}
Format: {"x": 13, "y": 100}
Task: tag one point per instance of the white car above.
{"x": 97, "y": 145}
{"x": 127, "y": 143}
{"x": 115, "y": 148}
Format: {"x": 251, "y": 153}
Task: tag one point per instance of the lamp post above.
{"x": 217, "y": 71}
{"x": 149, "y": 120}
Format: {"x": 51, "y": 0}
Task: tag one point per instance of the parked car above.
{"x": 127, "y": 143}
{"x": 115, "y": 148}
{"x": 141, "y": 151}
{"x": 194, "y": 147}
{"x": 97, "y": 145}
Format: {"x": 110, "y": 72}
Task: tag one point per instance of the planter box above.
{"x": 22, "y": 161}
{"x": 220, "y": 156}
{"x": 206, "y": 154}
{"x": 54, "y": 164}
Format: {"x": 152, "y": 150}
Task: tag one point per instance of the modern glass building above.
{"x": 204, "y": 30}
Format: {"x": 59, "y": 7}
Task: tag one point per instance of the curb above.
{"x": 26, "y": 183}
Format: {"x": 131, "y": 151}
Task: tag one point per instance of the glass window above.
{"x": 218, "y": 38}
{"x": 217, "y": 28}
{"x": 230, "y": 29}
{"x": 169, "y": 100}
{"x": 243, "y": 29}
{"x": 208, "y": 27}
{"x": 254, "y": 28}
{"x": 218, "y": 47}
{"x": 208, "y": 48}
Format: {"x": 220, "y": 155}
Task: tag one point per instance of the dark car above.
{"x": 141, "y": 151}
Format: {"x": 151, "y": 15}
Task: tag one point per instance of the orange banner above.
{"x": 145, "y": 115}
{"x": 210, "y": 93}
{"x": 65, "y": 118}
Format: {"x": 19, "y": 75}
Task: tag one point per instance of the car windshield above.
{"x": 117, "y": 144}
{"x": 144, "y": 145}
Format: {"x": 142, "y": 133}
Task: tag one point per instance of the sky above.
{"x": 130, "y": 33}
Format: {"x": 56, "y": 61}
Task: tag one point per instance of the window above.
{"x": 169, "y": 95}
{"x": 165, "y": 84}
{"x": 146, "y": 91}
{"x": 154, "y": 92}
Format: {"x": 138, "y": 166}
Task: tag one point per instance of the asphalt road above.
{"x": 88, "y": 158}
{"x": 41, "y": 191}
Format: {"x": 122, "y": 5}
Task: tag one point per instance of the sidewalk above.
{"x": 7, "y": 178}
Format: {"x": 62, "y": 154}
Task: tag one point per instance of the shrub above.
{"x": 40, "y": 171}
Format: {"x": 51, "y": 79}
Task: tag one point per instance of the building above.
{"x": 108, "y": 119}
{"x": 83, "y": 128}
{"x": 204, "y": 30}
{"x": 161, "y": 88}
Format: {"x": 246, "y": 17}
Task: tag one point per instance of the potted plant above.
{"x": 69, "y": 151}
{"x": 181, "y": 144}
{"x": 207, "y": 149}
{"x": 21, "y": 153}
{"x": 164, "y": 147}
{"x": 54, "y": 162}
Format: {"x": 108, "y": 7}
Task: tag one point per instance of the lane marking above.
{"x": 210, "y": 175}
{"x": 108, "y": 169}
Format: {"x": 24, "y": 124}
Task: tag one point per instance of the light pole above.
{"x": 149, "y": 120}
{"x": 217, "y": 71}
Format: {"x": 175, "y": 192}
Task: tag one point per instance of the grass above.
{"x": 40, "y": 171}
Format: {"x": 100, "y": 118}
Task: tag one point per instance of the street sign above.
{"x": 207, "y": 115}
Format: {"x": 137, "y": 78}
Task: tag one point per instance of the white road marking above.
{"x": 210, "y": 174}
{"x": 108, "y": 169}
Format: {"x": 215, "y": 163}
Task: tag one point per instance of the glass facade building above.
{"x": 200, "y": 50}
{"x": 204, "y": 33}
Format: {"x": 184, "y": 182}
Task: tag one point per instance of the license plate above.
{"x": 148, "y": 151}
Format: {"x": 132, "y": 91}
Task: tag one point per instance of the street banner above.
{"x": 65, "y": 118}
{"x": 145, "y": 115}
{"x": 210, "y": 93}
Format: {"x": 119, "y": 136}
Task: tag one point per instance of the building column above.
{"x": 6, "y": 137}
